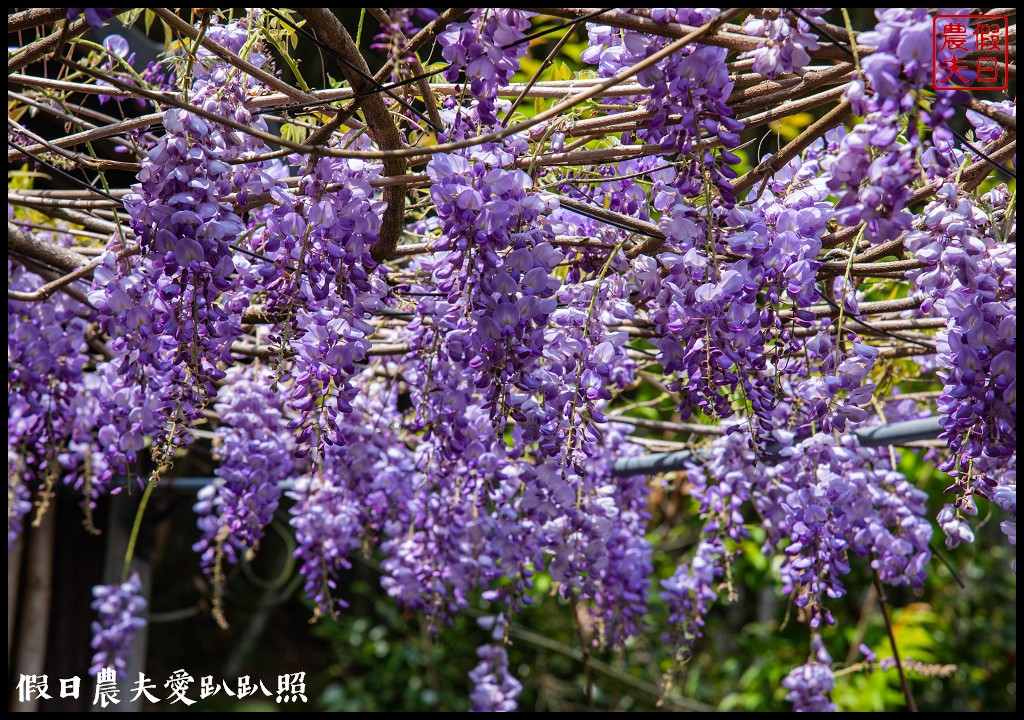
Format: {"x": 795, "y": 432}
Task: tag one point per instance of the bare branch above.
{"x": 378, "y": 119}
{"x": 777, "y": 161}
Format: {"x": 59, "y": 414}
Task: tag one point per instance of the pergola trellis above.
{"x": 756, "y": 101}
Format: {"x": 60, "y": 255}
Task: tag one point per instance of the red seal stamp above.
{"x": 970, "y": 52}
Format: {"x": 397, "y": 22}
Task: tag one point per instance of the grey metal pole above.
{"x": 902, "y": 432}
{"x": 897, "y": 433}
{"x": 654, "y": 463}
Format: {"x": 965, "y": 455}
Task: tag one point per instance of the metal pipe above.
{"x": 654, "y": 463}
{"x": 194, "y": 484}
{"x": 901, "y": 432}
{"x": 898, "y": 433}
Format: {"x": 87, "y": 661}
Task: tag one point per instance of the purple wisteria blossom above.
{"x": 810, "y": 685}
{"x": 46, "y": 345}
{"x": 969, "y": 277}
{"x": 449, "y": 411}
{"x": 487, "y": 47}
{"x": 689, "y": 594}
{"x": 787, "y": 41}
{"x": 121, "y": 614}
{"x": 95, "y": 17}
{"x": 494, "y": 687}
{"x": 256, "y": 455}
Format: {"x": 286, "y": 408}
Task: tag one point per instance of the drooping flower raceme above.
{"x": 810, "y": 686}
{"x": 358, "y": 493}
{"x": 495, "y": 689}
{"x": 787, "y": 40}
{"x": 487, "y": 47}
{"x": 120, "y": 609}
{"x": 46, "y": 345}
{"x": 970, "y": 279}
{"x": 256, "y": 456}
{"x": 186, "y": 230}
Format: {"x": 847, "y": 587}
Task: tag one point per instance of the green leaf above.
{"x": 560, "y": 71}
